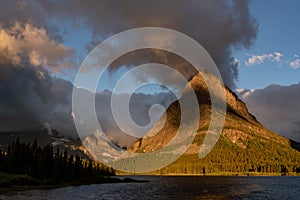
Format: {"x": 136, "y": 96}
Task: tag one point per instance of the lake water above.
{"x": 175, "y": 188}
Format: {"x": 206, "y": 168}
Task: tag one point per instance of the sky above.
{"x": 255, "y": 45}
{"x": 275, "y": 53}
{"x": 269, "y": 71}
{"x": 278, "y": 32}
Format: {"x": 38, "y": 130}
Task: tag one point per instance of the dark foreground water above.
{"x": 175, "y": 188}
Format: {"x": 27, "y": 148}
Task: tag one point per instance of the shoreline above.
{"x": 129, "y": 178}
{"x": 68, "y": 184}
{"x": 243, "y": 174}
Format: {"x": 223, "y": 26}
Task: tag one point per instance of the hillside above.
{"x": 245, "y": 145}
{"x": 42, "y": 137}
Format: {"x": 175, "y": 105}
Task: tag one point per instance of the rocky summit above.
{"x": 244, "y": 146}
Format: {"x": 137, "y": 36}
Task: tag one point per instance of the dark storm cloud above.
{"x": 30, "y": 95}
{"x": 28, "y": 100}
{"x": 32, "y": 47}
{"x": 277, "y": 107}
{"x": 217, "y": 25}
{"x": 139, "y": 107}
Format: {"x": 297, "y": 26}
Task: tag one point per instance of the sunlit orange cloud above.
{"x": 26, "y": 43}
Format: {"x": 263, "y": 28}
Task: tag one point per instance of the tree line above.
{"x": 227, "y": 157}
{"x": 45, "y": 163}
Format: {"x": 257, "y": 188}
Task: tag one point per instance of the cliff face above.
{"x": 241, "y": 133}
{"x": 234, "y": 104}
{"x": 237, "y": 116}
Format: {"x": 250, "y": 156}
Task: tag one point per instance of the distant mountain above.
{"x": 73, "y": 146}
{"x": 245, "y": 145}
{"x": 41, "y": 136}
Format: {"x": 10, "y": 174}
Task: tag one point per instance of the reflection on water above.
{"x": 176, "y": 188}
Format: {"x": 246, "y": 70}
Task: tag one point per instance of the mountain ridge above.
{"x": 242, "y": 133}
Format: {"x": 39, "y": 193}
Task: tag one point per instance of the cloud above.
{"x": 295, "y": 64}
{"x": 32, "y": 99}
{"x": 260, "y": 59}
{"x": 221, "y": 19}
{"x": 277, "y": 56}
{"x": 27, "y": 44}
{"x": 235, "y": 62}
{"x": 244, "y": 93}
{"x": 29, "y": 100}
{"x": 139, "y": 107}
{"x": 30, "y": 95}
{"x": 33, "y": 35}
{"x": 277, "y": 107}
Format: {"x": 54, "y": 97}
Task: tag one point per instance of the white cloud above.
{"x": 260, "y": 59}
{"x": 295, "y": 64}
{"x": 277, "y": 56}
{"x": 243, "y": 93}
{"x": 235, "y": 62}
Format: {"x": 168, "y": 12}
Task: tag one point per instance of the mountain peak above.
{"x": 241, "y": 131}
{"x": 234, "y": 104}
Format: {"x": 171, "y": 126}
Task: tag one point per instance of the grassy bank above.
{"x": 8, "y": 180}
